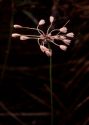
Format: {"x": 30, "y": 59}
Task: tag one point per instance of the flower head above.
{"x": 50, "y": 36}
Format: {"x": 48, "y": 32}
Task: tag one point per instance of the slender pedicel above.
{"x": 22, "y": 27}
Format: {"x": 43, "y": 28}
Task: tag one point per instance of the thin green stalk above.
{"x": 51, "y": 87}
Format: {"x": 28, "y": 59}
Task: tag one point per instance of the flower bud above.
{"x": 51, "y": 19}
{"x": 63, "y": 29}
{"x": 43, "y": 48}
{"x": 63, "y": 47}
{"x": 48, "y": 52}
{"x": 42, "y": 22}
{"x": 22, "y": 37}
{"x": 62, "y": 37}
{"x": 17, "y": 26}
{"x": 71, "y": 35}
{"x": 15, "y": 35}
{"x": 67, "y": 41}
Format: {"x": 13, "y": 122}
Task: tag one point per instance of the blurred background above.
{"x": 24, "y": 69}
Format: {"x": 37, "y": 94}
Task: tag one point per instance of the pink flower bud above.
{"x": 67, "y": 41}
{"x": 17, "y": 26}
{"x": 48, "y": 53}
{"x": 15, "y": 35}
{"x": 22, "y": 37}
{"x": 42, "y": 22}
{"x": 63, "y": 29}
{"x": 63, "y": 47}
{"x": 62, "y": 37}
{"x": 43, "y": 48}
{"x": 51, "y": 19}
{"x": 70, "y": 35}
{"x": 55, "y": 37}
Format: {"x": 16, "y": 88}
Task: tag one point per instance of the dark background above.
{"x": 24, "y": 69}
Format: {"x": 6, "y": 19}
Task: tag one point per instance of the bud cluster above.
{"x": 44, "y": 38}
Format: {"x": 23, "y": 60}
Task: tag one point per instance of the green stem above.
{"x": 51, "y": 87}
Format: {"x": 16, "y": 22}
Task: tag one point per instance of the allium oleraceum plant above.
{"x": 44, "y": 39}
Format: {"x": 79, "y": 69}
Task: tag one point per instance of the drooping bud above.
{"x": 48, "y": 53}
{"x": 41, "y": 22}
{"x": 22, "y": 37}
{"x": 51, "y": 19}
{"x": 67, "y": 41}
{"x": 63, "y": 47}
{"x": 71, "y": 35}
{"x": 15, "y": 35}
{"x": 17, "y": 26}
{"x": 43, "y": 48}
{"x": 63, "y": 29}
